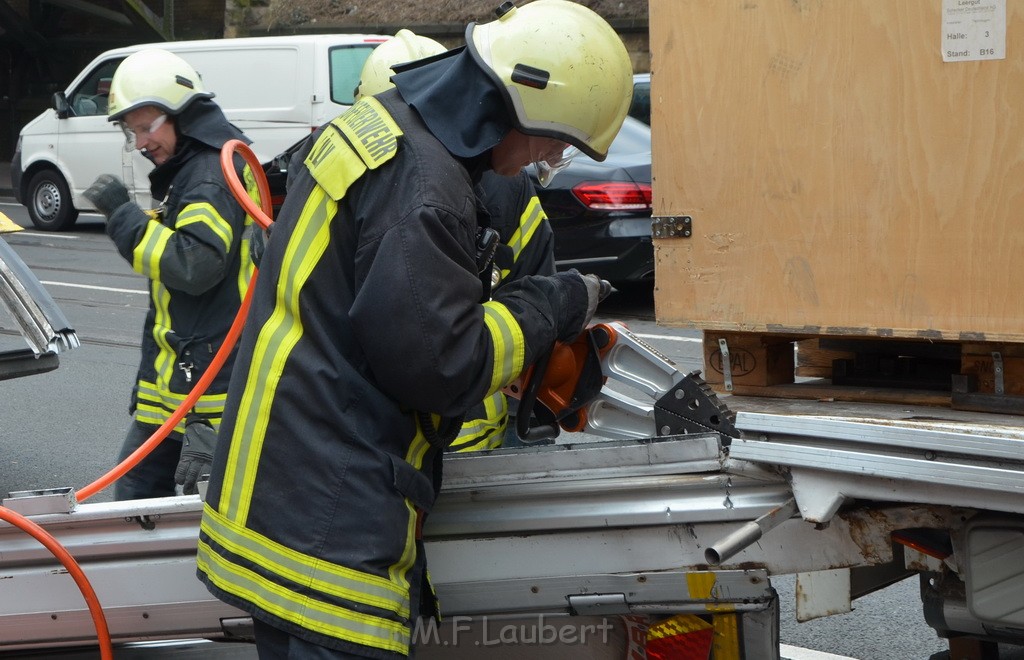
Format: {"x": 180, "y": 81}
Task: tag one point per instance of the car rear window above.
{"x": 641, "y": 106}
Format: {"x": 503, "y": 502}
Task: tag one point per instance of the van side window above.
{"x": 346, "y": 65}
{"x": 90, "y": 98}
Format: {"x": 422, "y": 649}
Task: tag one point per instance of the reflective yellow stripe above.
{"x": 529, "y": 221}
{"x": 205, "y": 214}
{"x": 301, "y": 609}
{"x": 314, "y": 573}
{"x": 275, "y": 342}
{"x": 399, "y": 571}
{"x": 146, "y": 255}
{"x": 371, "y": 131}
{"x": 489, "y": 439}
{"x": 509, "y": 345}
{"x": 250, "y": 183}
{"x": 157, "y": 416}
{"x": 155, "y": 404}
{"x": 246, "y": 267}
{"x": 165, "y": 362}
{"x": 146, "y": 260}
{"x": 419, "y": 446}
{"x": 531, "y": 218}
{"x": 486, "y": 433}
{"x": 173, "y": 399}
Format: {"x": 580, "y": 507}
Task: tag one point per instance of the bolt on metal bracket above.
{"x": 672, "y": 226}
{"x": 998, "y": 372}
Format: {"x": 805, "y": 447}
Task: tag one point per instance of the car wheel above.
{"x": 49, "y": 202}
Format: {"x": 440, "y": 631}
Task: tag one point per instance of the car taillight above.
{"x": 614, "y": 196}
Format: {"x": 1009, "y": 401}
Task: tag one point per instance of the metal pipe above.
{"x": 749, "y": 533}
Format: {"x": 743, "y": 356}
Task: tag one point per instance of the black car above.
{"x": 641, "y": 105}
{"x": 600, "y": 212}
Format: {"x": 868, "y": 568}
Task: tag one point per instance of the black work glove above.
{"x": 258, "y": 239}
{"x": 196, "y": 454}
{"x": 107, "y": 193}
{"x": 581, "y": 293}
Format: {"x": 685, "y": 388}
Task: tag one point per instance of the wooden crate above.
{"x": 754, "y": 360}
{"x": 967, "y": 375}
{"x": 842, "y": 179}
{"x": 979, "y": 360}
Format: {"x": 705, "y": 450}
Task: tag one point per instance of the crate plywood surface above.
{"x": 842, "y": 178}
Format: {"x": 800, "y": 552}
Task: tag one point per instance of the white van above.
{"x": 276, "y": 89}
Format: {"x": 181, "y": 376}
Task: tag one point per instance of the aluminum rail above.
{"x": 833, "y": 461}
{"x": 622, "y": 518}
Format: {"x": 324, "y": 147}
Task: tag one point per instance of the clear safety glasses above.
{"x": 548, "y": 167}
{"x": 133, "y": 135}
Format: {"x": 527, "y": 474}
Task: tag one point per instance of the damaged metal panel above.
{"x": 37, "y": 316}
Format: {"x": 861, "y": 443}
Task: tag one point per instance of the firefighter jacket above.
{"x": 366, "y": 330}
{"x": 512, "y": 208}
{"x": 193, "y": 249}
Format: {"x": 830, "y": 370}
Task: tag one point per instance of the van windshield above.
{"x": 89, "y": 99}
{"x": 346, "y": 65}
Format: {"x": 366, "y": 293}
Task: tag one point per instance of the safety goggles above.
{"x": 133, "y": 135}
{"x": 549, "y": 167}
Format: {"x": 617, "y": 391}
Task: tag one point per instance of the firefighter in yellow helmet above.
{"x": 405, "y": 46}
{"x": 193, "y": 250}
{"x": 508, "y": 205}
{"x": 372, "y": 332}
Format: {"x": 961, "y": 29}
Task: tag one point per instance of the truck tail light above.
{"x": 682, "y": 637}
{"x": 614, "y": 196}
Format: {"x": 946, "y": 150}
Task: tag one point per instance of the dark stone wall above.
{"x": 43, "y": 46}
{"x": 444, "y": 20}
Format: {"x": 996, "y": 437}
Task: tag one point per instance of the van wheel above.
{"x": 49, "y": 202}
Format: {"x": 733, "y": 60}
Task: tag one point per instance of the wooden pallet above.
{"x": 983, "y": 376}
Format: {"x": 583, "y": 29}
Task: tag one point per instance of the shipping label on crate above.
{"x": 973, "y": 30}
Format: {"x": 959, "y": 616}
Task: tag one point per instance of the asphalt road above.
{"x": 64, "y": 428}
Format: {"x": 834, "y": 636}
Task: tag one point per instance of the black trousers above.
{"x": 154, "y": 475}
{"x": 275, "y": 644}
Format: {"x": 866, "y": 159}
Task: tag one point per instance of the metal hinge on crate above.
{"x": 672, "y": 226}
{"x": 723, "y": 348}
{"x": 968, "y": 392}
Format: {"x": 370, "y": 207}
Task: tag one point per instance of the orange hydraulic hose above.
{"x": 158, "y": 436}
{"x": 263, "y": 215}
{"x": 65, "y": 558}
